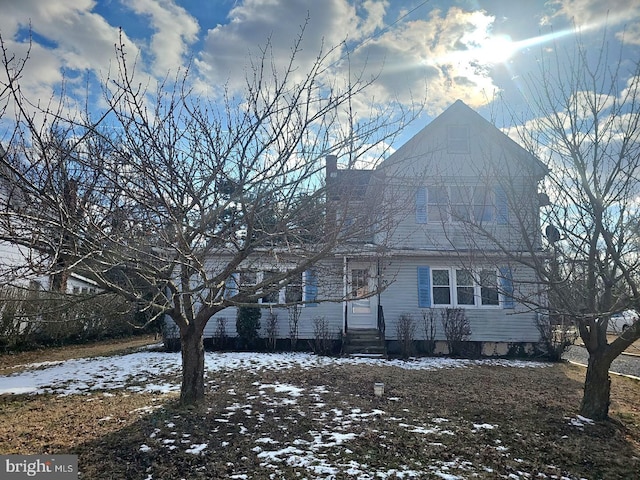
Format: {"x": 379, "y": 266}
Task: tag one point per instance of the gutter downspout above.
{"x": 344, "y": 292}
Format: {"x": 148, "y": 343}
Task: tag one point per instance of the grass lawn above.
{"x": 476, "y": 420}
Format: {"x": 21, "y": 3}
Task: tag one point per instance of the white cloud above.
{"x": 375, "y": 16}
{"x": 252, "y": 24}
{"x": 175, "y": 30}
{"x": 68, "y": 41}
{"x": 442, "y": 55}
{"x": 630, "y": 35}
{"x": 592, "y": 13}
{"x": 78, "y": 38}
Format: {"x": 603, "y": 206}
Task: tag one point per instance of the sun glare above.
{"x": 495, "y": 49}
{"x": 500, "y": 48}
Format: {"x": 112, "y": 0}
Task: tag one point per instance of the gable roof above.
{"x": 460, "y": 113}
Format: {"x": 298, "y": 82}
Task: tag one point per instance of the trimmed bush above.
{"x": 247, "y": 326}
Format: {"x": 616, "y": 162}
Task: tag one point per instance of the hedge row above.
{"x": 40, "y": 318}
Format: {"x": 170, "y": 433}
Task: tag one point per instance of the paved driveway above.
{"x": 626, "y": 364}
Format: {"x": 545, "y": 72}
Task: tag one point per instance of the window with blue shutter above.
{"x": 424, "y": 287}
{"x": 502, "y": 208}
{"x": 506, "y": 287}
{"x": 310, "y": 288}
{"x": 421, "y": 205}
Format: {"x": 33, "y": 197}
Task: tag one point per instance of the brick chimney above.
{"x": 331, "y": 169}
{"x": 331, "y": 166}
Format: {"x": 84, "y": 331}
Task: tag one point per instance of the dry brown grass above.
{"x": 530, "y": 408}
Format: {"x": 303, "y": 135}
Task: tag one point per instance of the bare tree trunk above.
{"x": 192, "y": 348}
{"x": 597, "y": 388}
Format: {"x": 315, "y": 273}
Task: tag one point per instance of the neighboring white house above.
{"x": 456, "y": 185}
{"x": 13, "y": 258}
{"x": 16, "y": 261}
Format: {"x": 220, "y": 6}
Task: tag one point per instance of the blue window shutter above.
{"x": 502, "y": 208}
{"x": 421, "y": 205}
{"x": 506, "y": 288}
{"x": 310, "y": 288}
{"x": 424, "y": 287}
{"x": 231, "y": 285}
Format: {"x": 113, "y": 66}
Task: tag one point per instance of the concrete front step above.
{"x": 367, "y": 355}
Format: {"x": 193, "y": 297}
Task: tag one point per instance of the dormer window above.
{"x": 458, "y": 139}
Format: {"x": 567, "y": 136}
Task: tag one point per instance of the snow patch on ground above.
{"x": 579, "y": 421}
{"x": 324, "y": 453}
{"x": 150, "y": 371}
{"x": 197, "y": 449}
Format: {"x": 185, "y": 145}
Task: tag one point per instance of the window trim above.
{"x": 477, "y": 289}
{"x": 262, "y": 275}
{"x": 493, "y": 200}
{"x": 235, "y": 283}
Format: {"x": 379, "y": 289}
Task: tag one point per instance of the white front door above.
{"x": 361, "y": 309}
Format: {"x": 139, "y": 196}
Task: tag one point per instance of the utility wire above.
{"x": 377, "y": 34}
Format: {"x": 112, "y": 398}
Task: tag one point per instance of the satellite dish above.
{"x": 552, "y": 234}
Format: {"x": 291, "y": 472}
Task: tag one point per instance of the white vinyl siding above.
{"x": 489, "y": 288}
{"x": 410, "y": 293}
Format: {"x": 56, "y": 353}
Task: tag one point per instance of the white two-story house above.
{"x": 461, "y": 203}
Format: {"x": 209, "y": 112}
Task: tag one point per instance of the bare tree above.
{"x": 589, "y": 125}
{"x": 183, "y": 192}
{"x": 586, "y": 129}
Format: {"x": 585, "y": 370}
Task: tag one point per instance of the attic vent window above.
{"x": 458, "y": 139}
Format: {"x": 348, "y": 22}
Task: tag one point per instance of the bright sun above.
{"x": 494, "y": 49}
{"x": 487, "y": 50}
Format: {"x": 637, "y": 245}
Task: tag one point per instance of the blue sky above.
{"x": 442, "y": 51}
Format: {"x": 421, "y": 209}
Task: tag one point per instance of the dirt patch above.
{"x": 478, "y": 421}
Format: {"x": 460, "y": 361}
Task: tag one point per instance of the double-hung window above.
{"x": 293, "y": 290}
{"x": 471, "y": 203}
{"x": 296, "y": 290}
{"x": 465, "y": 288}
{"x": 455, "y": 287}
{"x": 248, "y": 279}
{"x": 437, "y": 204}
{"x": 273, "y": 296}
{"x": 441, "y": 284}
{"x": 484, "y": 204}
{"x": 457, "y": 203}
{"x": 461, "y": 203}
